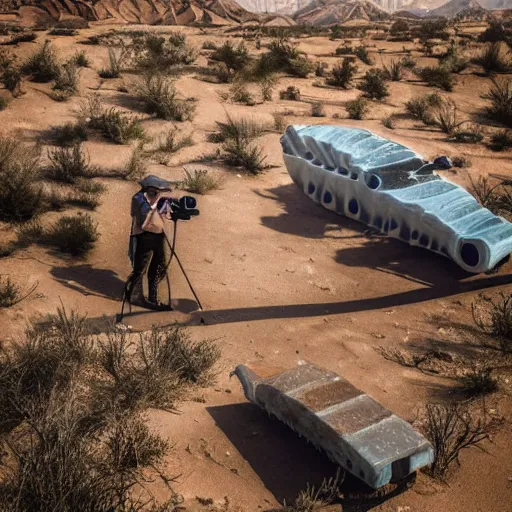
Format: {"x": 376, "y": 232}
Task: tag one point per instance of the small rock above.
{"x": 227, "y": 390}
{"x": 228, "y": 454}
{"x": 378, "y": 335}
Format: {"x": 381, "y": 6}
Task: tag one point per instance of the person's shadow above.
{"x": 90, "y": 281}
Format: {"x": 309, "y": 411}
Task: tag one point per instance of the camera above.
{"x": 178, "y": 209}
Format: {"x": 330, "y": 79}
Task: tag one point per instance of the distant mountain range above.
{"x": 425, "y": 6}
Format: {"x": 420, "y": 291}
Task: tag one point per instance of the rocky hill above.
{"x": 329, "y": 12}
{"x": 459, "y": 8}
{"x": 169, "y": 12}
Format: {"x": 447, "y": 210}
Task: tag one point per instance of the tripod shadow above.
{"x": 272, "y": 449}
{"x": 90, "y": 281}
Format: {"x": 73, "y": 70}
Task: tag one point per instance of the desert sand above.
{"x": 281, "y": 280}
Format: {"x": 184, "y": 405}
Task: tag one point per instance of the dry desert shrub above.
{"x": 494, "y": 195}
{"x": 495, "y": 57}
{"x": 389, "y": 122}
{"x": 80, "y": 59}
{"x": 11, "y": 293}
{"x": 73, "y": 234}
{"x": 494, "y": 318}
{"x": 240, "y": 94}
{"x": 279, "y": 122}
{"x": 422, "y": 107}
{"x": 235, "y": 58}
{"x": 317, "y": 109}
{"x": 321, "y": 68}
{"x": 283, "y": 56}
{"x": 450, "y": 429}
{"x": 437, "y": 76}
{"x": 357, "y": 108}
{"x": 362, "y": 53}
{"x": 500, "y": 95}
{"x": 501, "y": 140}
{"x": 42, "y": 66}
{"x": 19, "y": 171}
{"x": 200, "y": 181}
{"x": 311, "y": 498}
{"x": 237, "y": 128}
{"x": 68, "y": 164}
{"x": 69, "y": 134}
{"x": 342, "y": 74}
{"x": 374, "y": 84}
{"x": 117, "y": 59}
{"x": 171, "y": 141}
{"x": 160, "y": 97}
{"x": 478, "y": 380}
{"x": 395, "y": 70}
{"x": 290, "y": 93}
{"x": 446, "y": 116}
{"x": 136, "y": 166}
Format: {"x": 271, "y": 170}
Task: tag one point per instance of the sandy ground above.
{"x": 281, "y": 280}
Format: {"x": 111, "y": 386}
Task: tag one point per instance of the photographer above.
{"x": 147, "y": 240}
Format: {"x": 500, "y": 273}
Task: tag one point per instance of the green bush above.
{"x": 342, "y": 74}
{"x": 161, "y": 98}
{"x": 42, "y": 66}
{"x": 374, "y": 84}
{"x": 283, "y": 56}
{"x": 73, "y": 234}
{"x": 357, "y": 108}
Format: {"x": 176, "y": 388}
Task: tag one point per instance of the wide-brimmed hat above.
{"x": 155, "y": 182}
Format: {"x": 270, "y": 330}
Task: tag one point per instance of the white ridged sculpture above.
{"x": 385, "y": 185}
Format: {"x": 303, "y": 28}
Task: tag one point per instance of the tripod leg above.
{"x": 188, "y": 281}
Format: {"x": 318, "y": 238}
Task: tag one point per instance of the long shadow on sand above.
{"x": 90, "y": 281}
{"x": 284, "y": 462}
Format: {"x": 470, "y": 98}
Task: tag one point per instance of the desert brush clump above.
{"x": 321, "y": 69}
{"x": 342, "y": 74}
{"x": 501, "y": 140}
{"x": 423, "y": 107}
{"x": 437, "y": 76}
{"x": 267, "y": 85}
{"x": 200, "y": 181}
{"x": 233, "y": 57}
{"x": 113, "y": 124}
{"x": 42, "y": 66}
{"x": 446, "y": 116}
{"x": 28, "y": 233}
{"x": 80, "y": 59}
{"x": 68, "y": 134}
{"x": 494, "y": 318}
{"x": 117, "y": 59}
{"x": 357, "y": 108}
{"x": 453, "y": 60}
{"x": 395, "y": 70}
{"x": 318, "y": 109}
{"x": 240, "y": 153}
{"x": 67, "y": 80}
{"x": 374, "y": 84}
{"x": 11, "y": 293}
{"x": 172, "y": 141}
{"x": 362, "y": 53}
{"x": 450, "y": 429}
{"x": 73, "y": 234}
{"x": 237, "y": 128}
{"x": 160, "y": 97}
{"x": 389, "y": 122}
{"x": 283, "y": 56}
{"x": 136, "y": 166}
{"x": 76, "y": 443}
{"x": 68, "y": 164}
{"x": 495, "y": 195}
{"x": 500, "y": 96}
{"x": 155, "y": 53}
{"x": 495, "y": 57}
{"x": 312, "y": 498}
{"x": 240, "y": 94}
{"x": 19, "y": 172}
{"x": 290, "y": 93}
{"x": 478, "y": 380}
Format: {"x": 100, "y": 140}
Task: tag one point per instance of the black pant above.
{"x": 149, "y": 246}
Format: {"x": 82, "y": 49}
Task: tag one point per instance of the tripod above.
{"x": 129, "y": 285}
